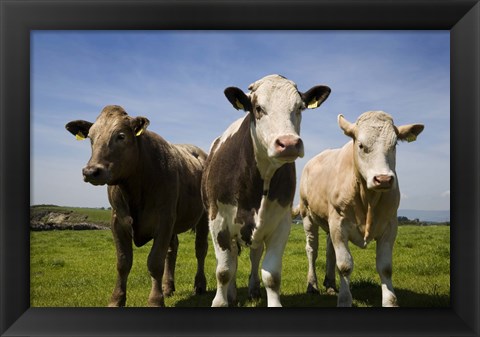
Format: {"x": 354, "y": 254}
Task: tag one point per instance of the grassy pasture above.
{"x": 77, "y": 269}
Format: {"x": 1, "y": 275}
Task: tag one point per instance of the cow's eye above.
{"x": 259, "y": 112}
{"x": 362, "y": 147}
{"x": 121, "y": 136}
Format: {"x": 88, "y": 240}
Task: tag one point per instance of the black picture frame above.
{"x": 18, "y": 18}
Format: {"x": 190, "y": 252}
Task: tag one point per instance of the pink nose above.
{"x": 383, "y": 181}
{"x": 288, "y": 146}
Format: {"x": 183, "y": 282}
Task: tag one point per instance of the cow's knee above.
{"x": 345, "y": 267}
{"x": 124, "y": 265}
{"x": 223, "y": 275}
{"x": 271, "y": 280}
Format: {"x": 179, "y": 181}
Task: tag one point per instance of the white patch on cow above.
{"x": 227, "y": 259}
{"x": 272, "y": 230}
{"x": 231, "y": 130}
{"x": 267, "y": 219}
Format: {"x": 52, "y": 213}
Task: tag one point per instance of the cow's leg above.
{"x": 329, "y": 281}
{"x": 226, "y": 255}
{"x": 201, "y": 248}
{"x": 225, "y": 273}
{"x": 384, "y": 265}
{"x": 168, "y": 281}
{"x": 254, "y": 278}
{"x": 272, "y": 262}
{"x": 344, "y": 262}
{"x": 232, "y": 286}
{"x": 311, "y": 234}
{"x": 122, "y": 235}
{"x": 156, "y": 265}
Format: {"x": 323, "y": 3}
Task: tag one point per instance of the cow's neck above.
{"x": 138, "y": 179}
{"x": 369, "y": 200}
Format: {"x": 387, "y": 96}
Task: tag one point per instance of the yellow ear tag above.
{"x": 79, "y": 136}
{"x": 139, "y": 132}
{"x": 411, "y": 138}
{"x": 313, "y": 104}
{"x": 239, "y": 105}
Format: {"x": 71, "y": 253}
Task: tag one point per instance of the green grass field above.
{"x": 77, "y": 269}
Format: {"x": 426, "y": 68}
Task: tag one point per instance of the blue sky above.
{"x": 176, "y": 79}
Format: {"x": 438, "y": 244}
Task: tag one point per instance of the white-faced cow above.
{"x": 154, "y": 190}
{"x": 352, "y": 193}
{"x": 249, "y": 182}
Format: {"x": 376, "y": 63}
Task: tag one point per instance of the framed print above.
{"x": 25, "y": 25}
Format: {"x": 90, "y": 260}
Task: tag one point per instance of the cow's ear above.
{"x": 79, "y": 129}
{"x": 238, "y": 99}
{"x": 314, "y": 97}
{"x": 409, "y": 132}
{"x": 139, "y": 125}
{"x": 347, "y": 127}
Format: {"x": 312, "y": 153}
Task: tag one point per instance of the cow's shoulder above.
{"x": 231, "y": 174}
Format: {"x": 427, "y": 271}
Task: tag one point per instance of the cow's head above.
{"x": 114, "y": 144}
{"x": 374, "y": 146}
{"x": 275, "y": 105}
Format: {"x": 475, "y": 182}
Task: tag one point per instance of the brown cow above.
{"x": 154, "y": 190}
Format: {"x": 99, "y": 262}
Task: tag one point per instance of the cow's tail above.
{"x": 295, "y": 211}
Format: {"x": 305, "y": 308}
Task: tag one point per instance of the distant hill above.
{"x": 429, "y": 216}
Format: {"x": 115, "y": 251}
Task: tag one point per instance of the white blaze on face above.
{"x": 277, "y": 107}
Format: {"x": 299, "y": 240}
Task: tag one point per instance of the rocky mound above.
{"x": 41, "y": 220}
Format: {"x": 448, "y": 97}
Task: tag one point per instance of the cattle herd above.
{"x": 242, "y": 193}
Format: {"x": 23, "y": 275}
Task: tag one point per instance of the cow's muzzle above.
{"x": 383, "y": 181}
{"x": 95, "y": 174}
{"x": 288, "y": 148}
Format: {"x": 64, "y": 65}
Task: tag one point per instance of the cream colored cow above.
{"x": 353, "y": 194}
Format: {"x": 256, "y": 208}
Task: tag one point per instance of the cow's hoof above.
{"x": 254, "y": 293}
{"x": 167, "y": 292}
{"x": 331, "y": 291}
{"x": 168, "y": 289}
{"x": 232, "y": 302}
{"x": 311, "y": 289}
{"x": 219, "y": 303}
{"x": 156, "y": 301}
{"x": 117, "y": 301}
{"x": 200, "y": 285}
{"x": 114, "y": 305}
{"x": 200, "y": 290}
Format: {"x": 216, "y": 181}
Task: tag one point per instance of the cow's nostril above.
{"x": 299, "y": 144}
{"x": 383, "y": 180}
{"x": 288, "y": 146}
{"x": 93, "y": 173}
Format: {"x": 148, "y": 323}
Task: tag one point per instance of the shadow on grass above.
{"x": 289, "y": 300}
{"x": 366, "y": 292}
{"x": 370, "y": 294}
